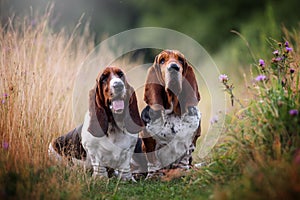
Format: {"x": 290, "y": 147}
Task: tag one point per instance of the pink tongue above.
{"x": 118, "y": 105}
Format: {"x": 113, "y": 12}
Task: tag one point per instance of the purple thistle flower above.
{"x": 286, "y": 44}
{"x": 293, "y": 112}
{"x": 223, "y": 78}
{"x": 261, "y": 62}
{"x": 260, "y": 78}
{"x": 278, "y": 59}
{"x": 288, "y": 49}
{"x": 5, "y": 145}
{"x": 276, "y": 52}
{"x": 5, "y": 95}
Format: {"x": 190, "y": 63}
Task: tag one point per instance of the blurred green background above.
{"x": 209, "y": 22}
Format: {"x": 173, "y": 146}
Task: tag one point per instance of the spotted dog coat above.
{"x": 171, "y": 116}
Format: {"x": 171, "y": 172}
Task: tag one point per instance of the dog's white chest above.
{"x": 173, "y": 136}
{"x": 111, "y": 150}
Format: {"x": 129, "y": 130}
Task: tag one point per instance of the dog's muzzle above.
{"x": 118, "y": 93}
{"x": 173, "y": 67}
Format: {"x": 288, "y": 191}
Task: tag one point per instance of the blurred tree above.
{"x": 208, "y": 22}
{"x": 105, "y": 17}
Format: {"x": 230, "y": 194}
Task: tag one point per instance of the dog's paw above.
{"x": 127, "y": 179}
{"x": 154, "y": 175}
{"x": 98, "y": 176}
{"x": 139, "y": 176}
{"x": 125, "y": 175}
{"x": 182, "y": 166}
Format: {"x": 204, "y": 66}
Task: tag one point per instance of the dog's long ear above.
{"x": 98, "y": 124}
{"x": 190, "y": 95}
{"x": 154, "y": 93}
{"x": 133, "y": 121}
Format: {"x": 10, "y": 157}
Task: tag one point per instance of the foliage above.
{"x": 264, "y": 134}
{"x": 208, "y": 22}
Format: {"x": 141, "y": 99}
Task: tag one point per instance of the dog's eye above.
{"x": 161, "y": 61}
{"x": 120, "y": 74}
{"x": 181, "y": 60}
{"x": 103, "y": 78}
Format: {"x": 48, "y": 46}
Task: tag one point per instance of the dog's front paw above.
{"x": 97, "y": 176}
{"x": 99, "y": 172}
{"x": 154, "y": 175}
{"x": 181, "y": 165}
{"x": 139, "y": 176}
{"x": 126, "y": 176}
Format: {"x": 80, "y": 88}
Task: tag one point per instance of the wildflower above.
{"x": 223, "y": 78}
{"x": 286, "y": 44}
{"x": 5, "y": 145}
{"x": 261, "y": 62}
{"x": 278, "y": 59}
{"x": 260, "y": 78}
{"x": 5, "y": 95}
{"x": 292, "y": 70}
{"x": 3, "y": 101}
{"x": 276, "y": 52}
{"x": 288, "y": 49}
{"x": 293, "y": 112}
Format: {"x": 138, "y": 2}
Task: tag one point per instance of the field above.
{"x": 258, "y": 155}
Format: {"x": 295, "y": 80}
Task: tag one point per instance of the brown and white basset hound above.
{"x": 171, "y": 117}
{"x": 109, "y": 133}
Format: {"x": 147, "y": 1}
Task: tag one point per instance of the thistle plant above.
{"x": 265, "y": 136}
{"x": 270, "y": 123}
{"x": 229, "y": 89}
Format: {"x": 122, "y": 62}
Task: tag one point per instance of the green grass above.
{"x": 176, "y": 189}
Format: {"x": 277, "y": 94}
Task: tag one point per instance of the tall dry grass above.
{"x": 37, "y": 72}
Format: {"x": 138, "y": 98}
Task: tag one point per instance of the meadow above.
{"x": 257, "y": 156}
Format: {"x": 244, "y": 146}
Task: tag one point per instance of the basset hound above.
{"x": 172, "y": 119}
{"x": 109, "y": 133}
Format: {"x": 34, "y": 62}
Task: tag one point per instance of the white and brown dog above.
{"x": 171, "y": 117}
{"x": 110, "y": 130}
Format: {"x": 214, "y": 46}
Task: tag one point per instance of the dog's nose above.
{"x": 173, "y": 67}
{"x": 118, "y": 86}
